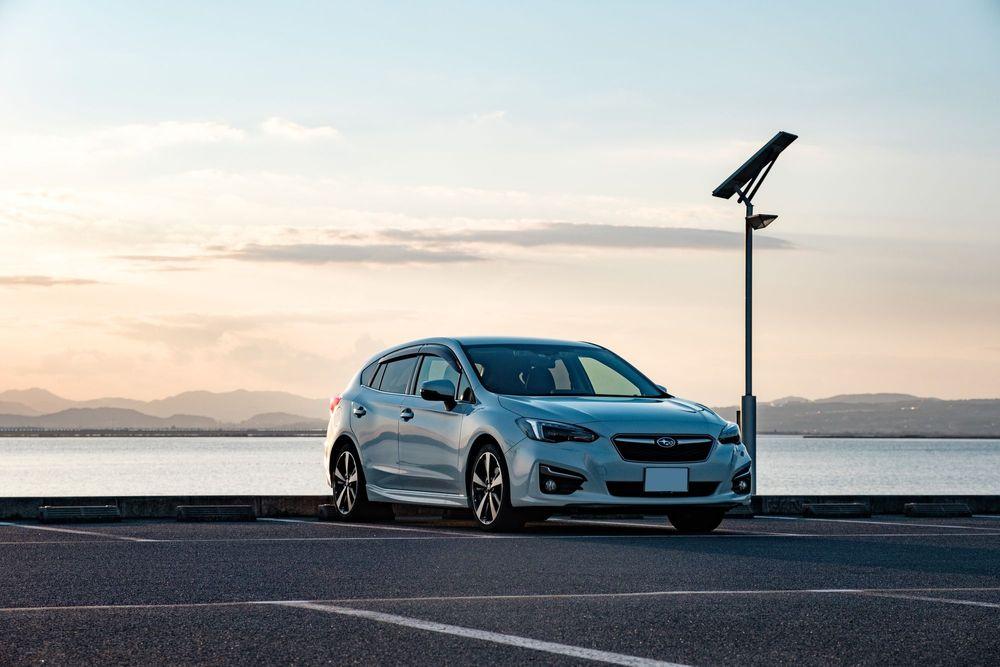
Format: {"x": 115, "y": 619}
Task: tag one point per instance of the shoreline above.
{"x": 166, "y": 433}
{"x": 319, "y": 433}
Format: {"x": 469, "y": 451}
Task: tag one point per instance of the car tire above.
{"x": 696, "y": 519}
{"x": 489, "y": 492}
{"x": 350, "y": 499}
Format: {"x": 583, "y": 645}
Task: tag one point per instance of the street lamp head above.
{"x": 760, "y": 220}
{"x": 745, "y": 180}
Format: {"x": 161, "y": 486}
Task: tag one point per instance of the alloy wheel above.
{"x": 487, "y": 488}
{"x": 345, "y": 482}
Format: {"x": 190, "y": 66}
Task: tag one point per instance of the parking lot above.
{"x": 758, "y": 591}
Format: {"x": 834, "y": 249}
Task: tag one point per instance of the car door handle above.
{"x": 359, "y": 411}
{"x": 406, "y": 414}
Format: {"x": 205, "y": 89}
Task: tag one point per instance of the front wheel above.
{"x": 489, "y": 492}
{"x": 696, "y": 519}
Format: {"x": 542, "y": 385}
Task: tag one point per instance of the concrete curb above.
{"x": 165, "y": 507}
{"x": 987, "y": 504}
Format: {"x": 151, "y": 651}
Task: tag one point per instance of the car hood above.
{"x": 669, "y": 412}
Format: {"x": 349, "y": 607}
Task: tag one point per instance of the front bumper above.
{"x": 613, "y": 483}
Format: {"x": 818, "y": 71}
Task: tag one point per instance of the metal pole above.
{"x": 748, "y": 354}
{"x": 749, "y": 402}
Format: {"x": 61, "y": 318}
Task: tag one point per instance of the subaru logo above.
{"x": 666, "y": 441}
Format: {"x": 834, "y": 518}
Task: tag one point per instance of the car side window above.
{"x": 377, "y": 380}
{"x": 397, "y": 374}
{"x": 436, "y": 368}
{"x": 368, "y": 374}
{"x": 465, "y": 393}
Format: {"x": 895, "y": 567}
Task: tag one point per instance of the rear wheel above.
{"x": 489, "y": 492}
{"x": 350, "y": 500}
{"x": 696, "y": 519}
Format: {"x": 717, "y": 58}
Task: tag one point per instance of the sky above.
{"x": 254, "y": 195}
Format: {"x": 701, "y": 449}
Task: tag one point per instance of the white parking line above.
{"x": 124, "y": 538}
{"x": 666, "y": 536}
{"x": 378, "y": 526}
{"x": 36, "y": 543}
{"x": 927, "y": 598}
{"x": 911, "y": 592}
{"x": 642, "y": 594}
{"x": 878, "y": 523}
{"x": 484, "y": 635}
{"x": 609, "y": 522}
{"x": 665, "y": 527}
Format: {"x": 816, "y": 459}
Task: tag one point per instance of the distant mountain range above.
{"x": 886, "y": 415}
{"x": 241, "y": 409}
{"x": 889, "y": 415}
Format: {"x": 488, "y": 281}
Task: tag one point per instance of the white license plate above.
{"x": 666, "y": 479}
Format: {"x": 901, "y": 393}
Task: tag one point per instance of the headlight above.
{"x": 546, "y": 431}
{"x": 730, "y": 435}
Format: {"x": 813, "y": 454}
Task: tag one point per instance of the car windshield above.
{"x": 525, "y": 369}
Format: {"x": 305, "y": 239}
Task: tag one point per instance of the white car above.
{"x": 519, "y": 429}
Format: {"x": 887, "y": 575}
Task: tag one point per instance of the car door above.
{"x": 430, "y": 432}
{"x": 375, "y": 420}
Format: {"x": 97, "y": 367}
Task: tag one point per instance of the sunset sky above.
{"x": 230, "y": 195}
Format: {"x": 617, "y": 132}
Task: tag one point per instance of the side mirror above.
{"x": 439, "y": 390}
{"x": 663, "y": 389}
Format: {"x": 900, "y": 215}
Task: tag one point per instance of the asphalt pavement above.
{"x": 886, "y": 590}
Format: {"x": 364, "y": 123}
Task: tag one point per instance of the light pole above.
{"x": 744, "y": 182}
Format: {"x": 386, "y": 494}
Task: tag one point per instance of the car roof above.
{"x": 475, "y": 340}
{"x": 496, "y": 340}
{"x": 517, "y": 340}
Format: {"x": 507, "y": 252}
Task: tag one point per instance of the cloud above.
{"x": 158, "y": 258}
{"x": 165, "y": 262}
{"x": 44, "y": 281}
{"x": 258, "y": 344}
{"x": 489, "y": 117}
{"x": 593, "y": 236}
{"x": 343, "y": 253}
{"x": 286, "y": 129}
{"x": 120, "y": 141}
{"x": 277, "y": 361}
{"x": 138, "y": 139}
{"x": 141, "y": 138}
{"x": 190, "y": 331}
{"x": 439, "y": 245}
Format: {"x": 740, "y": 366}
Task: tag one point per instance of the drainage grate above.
{"x": 216, "y": 513}
{"x": 70, "y": 513}
{"x": 836, "y": 509}
{"x": 936, "y": 509}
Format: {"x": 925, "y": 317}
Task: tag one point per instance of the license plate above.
{"x": 666, "y": 479}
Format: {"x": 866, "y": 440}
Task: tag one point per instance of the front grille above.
{"x": 642, "y": 448}
{"x": 635, "y": 490}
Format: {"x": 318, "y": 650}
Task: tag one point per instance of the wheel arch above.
{"x": 342, "y": 440}
{"x": 477, "y": 444}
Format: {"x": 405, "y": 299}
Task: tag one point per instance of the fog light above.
{"x": 742, "y": 483}
{"x": 559, "y": 480}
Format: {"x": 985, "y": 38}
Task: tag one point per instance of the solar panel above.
{"x": 748, "y": 172}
